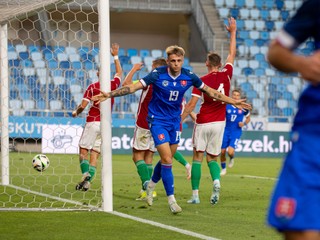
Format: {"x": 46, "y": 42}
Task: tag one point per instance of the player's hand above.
{"x": 74, "y": 113}
{"x": 241, "y": 104}
{"x": 114, "y": 49}
{"x": 138, "y": 66}
{"x": 102, "y": 96}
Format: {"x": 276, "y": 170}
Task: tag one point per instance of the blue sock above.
{"x": 167, "y": 178}
{"x": 156, "y": 173}
{"x": 223, "y": 165}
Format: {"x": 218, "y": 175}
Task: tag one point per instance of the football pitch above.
{"x": 240, "y": 213}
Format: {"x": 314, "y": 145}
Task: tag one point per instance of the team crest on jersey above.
{"x": 229, "y": 111}
{"x": 183, "y": 83}
{"x": 161, "y": 137}
{"x": 165, "y": 83}
{"x": 285, "y": 208}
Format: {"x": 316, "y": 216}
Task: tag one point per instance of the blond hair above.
{"x": 175, "y": 49}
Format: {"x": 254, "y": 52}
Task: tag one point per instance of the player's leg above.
{"x": 231, "y": 149}
{"x": 215, "y": 176}
{"x": 199, "y": 143}
{"x": 213, "y": 150}
{"x": 223, "y": 159}
{"x": 231, "y": 156}
{"x": 142, "y": 154}
{"x": 179, "y": 157}
{"x": 84, "y": 166}
{"x": 196, "y": 176}
{"x": 223, "y": 162}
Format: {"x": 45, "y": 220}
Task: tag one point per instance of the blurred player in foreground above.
{"x": 294, "y": 208}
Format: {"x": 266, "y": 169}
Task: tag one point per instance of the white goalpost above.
{"x": 50, "y": 53}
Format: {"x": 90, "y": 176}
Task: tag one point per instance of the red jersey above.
{"x": 142, "y": 112}
{"x": 94, "y": 89}
{"x": 212, "y": 110}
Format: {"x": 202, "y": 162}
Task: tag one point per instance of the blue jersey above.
{"x": 304, "y": 25}
{"x": 232, "y": 130}
{"x": 295, "y": 202}
{"x": 234, "y": 116}
{"x": 168, "y": 92}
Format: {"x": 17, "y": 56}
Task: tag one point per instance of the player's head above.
{"x": 175, "y": 58}
{"x": 159, "y": 62}
{"x": 213, "y": 60}
{"x": 236, "y": 94}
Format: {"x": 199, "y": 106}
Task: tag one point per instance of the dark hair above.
{"x": 214, "y": 59}
{"x": 159, "y": 62}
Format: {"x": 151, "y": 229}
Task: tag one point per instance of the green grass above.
{"x": 240, "y": 213}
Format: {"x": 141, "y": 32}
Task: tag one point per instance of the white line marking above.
{"x": 257, "y": 177}
{"x": 167, "y": 227}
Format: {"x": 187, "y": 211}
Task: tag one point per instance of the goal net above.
{"x": 49, "y": 54}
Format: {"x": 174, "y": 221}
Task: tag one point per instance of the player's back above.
{"x": 213, "y": 110}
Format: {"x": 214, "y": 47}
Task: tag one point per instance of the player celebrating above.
{"x": 164, "y": 114}
{"x": 236, "y": 119}
{"x": 210, "y": 121}
{"x": 143, "y": 144}
{"x": 90, "y": 140}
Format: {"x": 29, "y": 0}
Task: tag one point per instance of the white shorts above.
{"x": 142, "y": 140}
{"x": 208, "y": 137}
{"x": 91, "y": 136}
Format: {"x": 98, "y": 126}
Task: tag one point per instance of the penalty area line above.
{"x": 167, "y": 227}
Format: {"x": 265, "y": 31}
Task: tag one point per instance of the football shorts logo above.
{"x": 165, "y": 83}
{"x": 285, "y": 208}
{"x": 183, "y": 83}
{"x": 161, "y": 137}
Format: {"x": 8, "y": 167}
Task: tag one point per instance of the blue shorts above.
{"x": 230, "y": 138}
{"x": 163, "y": 132}
{"x": 295, "y": 204}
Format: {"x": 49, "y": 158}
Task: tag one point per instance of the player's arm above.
{"x": 246, "y": 121}
{"x": 287, "y": 61}
{"x": 189, "y": 107}
{"x": 114, "y": 52}
{"x": 128, "y": 80}
{"x": 193, "y": 116}
{"x": 232, "y": 29}
{"x": 80, "y": 108}
{"x": 215, "y": 94}
{"x": 129, "y": 89}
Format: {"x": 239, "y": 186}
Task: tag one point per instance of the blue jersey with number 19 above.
{"x": 168, "y": 92}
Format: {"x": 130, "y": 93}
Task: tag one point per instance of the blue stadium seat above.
{"x": 14, "y": 63}
{"x": 52, "y": 64}
{"x": 287, "y": 112}
{"x": 146, "y": 52}
{"x": 259, "y": 4}
{"x": 287, "y": 95}
{"x": 240, "y": 4}
{"x": 269, "y": 4}
{"x": 124, "y": 59}
{"x": 122, "y": 52}
{"x": 265, "y": 14}
{"x": 83, "y": 50}
{"x": 259, "y": 72}
{"x": 279, "y": 4}
{"x": 272, "y": 103}
{"x": 76, "y": 65}
{"x": 69, "y": 74}
{"x": 246, "y": 86}
{"x": 234, "y": 12}
{"x": 95, "y": 51}
{"x": 260, "y": 42}
{"x": 24, "y": 55}
{"x": 284, "y": 15}
{"x": 275, "y": 111}
{"x": 269, "y": 25}
{"x": 132, "y": 52}
{"x": 247, "y": 71}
